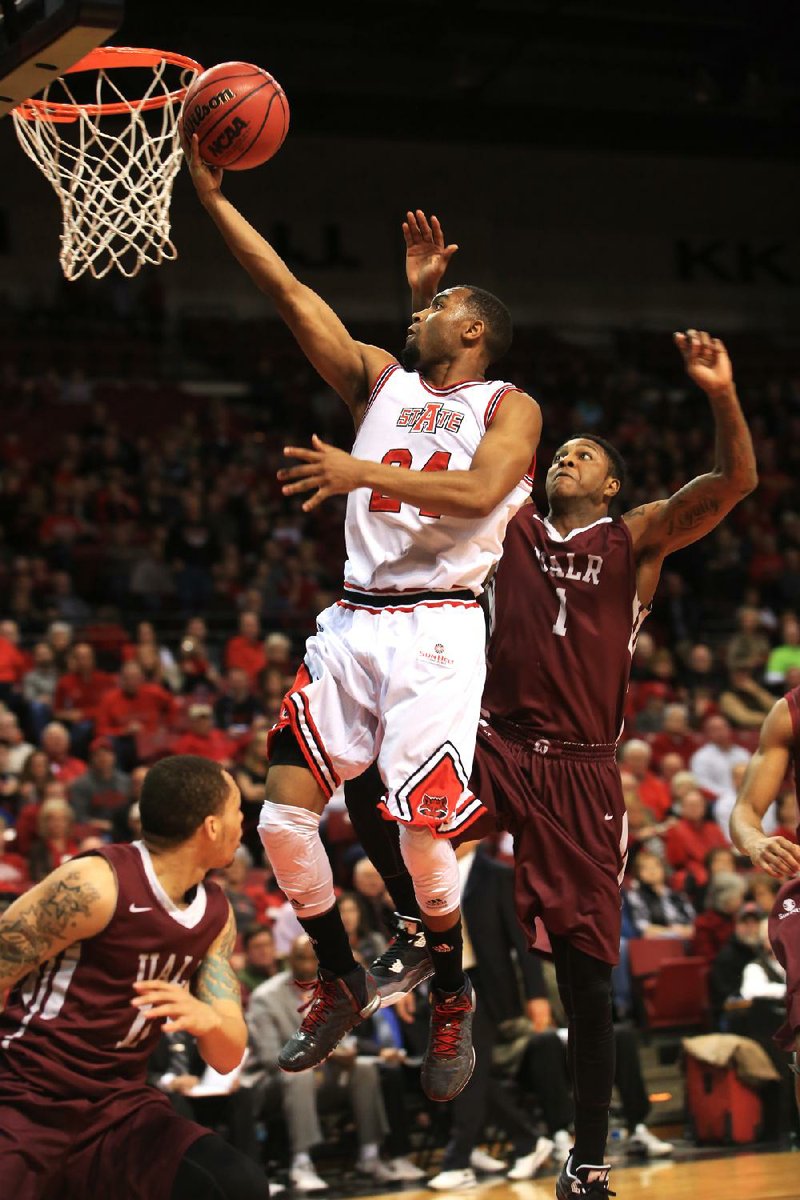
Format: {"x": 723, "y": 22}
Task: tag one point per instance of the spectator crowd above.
{"x": 155, "y": 591}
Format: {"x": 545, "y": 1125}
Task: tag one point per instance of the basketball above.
{"x": 239, "y": 113}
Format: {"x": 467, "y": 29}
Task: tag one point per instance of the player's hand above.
{"x": 427, "y": 256}
{"x": 207, "y": 180}
{"x": 706, "y": 361}
{"x": 324, "y": 470}
{"x": 540, "y": 1014}
{"x": 182, "y": 1010}
{"x": 777, "y": 856}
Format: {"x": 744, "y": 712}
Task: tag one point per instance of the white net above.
{"x": 111, "y": 161}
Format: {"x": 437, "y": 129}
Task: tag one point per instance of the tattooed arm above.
{"x": 212, "y": 1013}
{"x": 74, "y": 902}
{"x": 667, "y": 525}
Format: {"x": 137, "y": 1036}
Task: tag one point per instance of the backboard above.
{"x": 40, "y": 39}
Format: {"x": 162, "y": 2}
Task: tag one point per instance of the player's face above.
{"x": 434, "y": 331}
{"x": 579, "y": 469}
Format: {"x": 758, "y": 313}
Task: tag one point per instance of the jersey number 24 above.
{"x": 378, "y": 502}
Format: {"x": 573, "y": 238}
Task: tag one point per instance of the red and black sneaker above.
{"x": 338, "y": 1004}
{"x": 450, "y": 1058}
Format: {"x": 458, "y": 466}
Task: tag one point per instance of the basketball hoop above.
{"x": 111, "y": 160}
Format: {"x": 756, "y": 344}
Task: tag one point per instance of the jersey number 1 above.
{"x": 378, "y": 502}
{"x": 560, "y": 626}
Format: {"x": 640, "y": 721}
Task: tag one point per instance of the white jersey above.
{"x": 397, "y": 547}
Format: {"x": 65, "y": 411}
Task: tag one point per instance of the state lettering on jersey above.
{"x": 430, "y": 418}
{"x": 155, "y": 966}
{"x": 583, "y": 567}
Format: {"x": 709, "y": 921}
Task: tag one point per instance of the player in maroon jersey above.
{"x": 570, "y": 593}
{"x": 101, "y": 955}
{"x": 778, "y": 748}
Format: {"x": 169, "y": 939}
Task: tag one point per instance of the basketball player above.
{"x": 569, "y": 596}
{"x": 108, "y": 950}
{"x": 778, "y": 748}
{"x": 396, "y": 669}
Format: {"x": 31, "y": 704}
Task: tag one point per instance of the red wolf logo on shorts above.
{"x": 434, "y": 807}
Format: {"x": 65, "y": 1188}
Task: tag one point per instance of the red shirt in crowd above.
{"x": 684, "y": 744}
{"x": 151, "y": 706}
{"x": 688, "y": 843}
{"x": 67, "y": 769}
{"x": 13, "y": 663}
{"x": 712, "y": 930}
{"x": 215, "y": 745}
{"x": 654, "y": 794}
{"x": 13, "y": 874}
{"x": 249, "y": 655}
{"x": 82, "y": 693}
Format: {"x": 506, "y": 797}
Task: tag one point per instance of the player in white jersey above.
{"x": 396, "y": 668}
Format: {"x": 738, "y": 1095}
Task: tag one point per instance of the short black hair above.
{"x": 615, "y": 460}
{"x": 253, "y": 931}
{"x": 178, "y": 794}
{"x": 495, "y": 316}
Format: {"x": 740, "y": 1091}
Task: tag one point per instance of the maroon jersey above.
{"x": 69, "y": 1028}
{"x": 565, "y": 621}
{"x": 792, "y": 698}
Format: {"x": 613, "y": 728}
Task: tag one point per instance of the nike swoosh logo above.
{"x": 608, "y": 817}
{"x": 136, "y": 909}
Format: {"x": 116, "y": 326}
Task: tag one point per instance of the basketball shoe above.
{"x": 572, "y": 1183}
{"x": 405, "y": 963}
{"x": 337, "y": 1006}
{"x": 449, "y": 1058}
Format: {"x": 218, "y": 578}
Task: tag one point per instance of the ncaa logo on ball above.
{"x": 228, "y": 136}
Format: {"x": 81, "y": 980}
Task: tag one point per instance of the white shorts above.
{"x": 401, "y": 685}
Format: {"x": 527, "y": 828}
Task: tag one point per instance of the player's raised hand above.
{"x": 207, "y": 180}
{"x": 427, "y": 256}
{"x": 324, "y": 470}
{"x": 173, "y": 1001}
{"x": 706, "y": 360}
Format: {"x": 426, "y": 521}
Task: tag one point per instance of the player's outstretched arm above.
{"x": 763, "y": 780}
{"x": 74, "y": 902}
{"x": 212, "y": 1013}
{"x": 696, "y": 509}
{"x": 501, "y": 460}
{"x": 350, "y": 367}
{"x": 427, "y": 257}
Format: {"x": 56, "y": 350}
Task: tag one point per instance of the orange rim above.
{"x": 104, "y": 58}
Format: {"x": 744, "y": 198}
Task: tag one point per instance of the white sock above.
{"x": 368, "y": 1152}
{"x": 301, "y": 1160}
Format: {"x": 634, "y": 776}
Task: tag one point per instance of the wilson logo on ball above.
{"x": 228, "y": 136}
{"x": 199, "y": 113}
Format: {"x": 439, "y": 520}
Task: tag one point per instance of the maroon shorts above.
{"x": 564, "y": 806}
{"x": 784, "y": 935}
{"x": 126, "y": 1148}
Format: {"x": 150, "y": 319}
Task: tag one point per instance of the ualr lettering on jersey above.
{"x": 583, "y": 567}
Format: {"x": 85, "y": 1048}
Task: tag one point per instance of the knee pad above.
{"x": 290, "y": 837}
{"x": 433, "y": 867}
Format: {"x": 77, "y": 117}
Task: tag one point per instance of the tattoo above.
{"x": 29, "y": 937}
{"x": 215, "y": 979}
{"x": 689, "y": 517}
